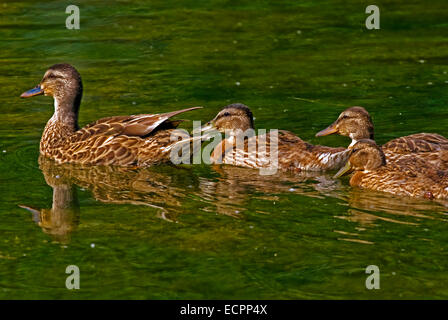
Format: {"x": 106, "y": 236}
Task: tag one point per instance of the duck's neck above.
{"x": 62, "y": 124}
{"x": 66, "y": 114}
{"x": 367, "y": 133}
{"x": 364, "y": 132}
{"x": 64, "y": 197}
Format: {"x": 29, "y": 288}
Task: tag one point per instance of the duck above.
{"x": 239, "y": 148}
{"x": 407, "y": 176}
{"x": 133, "y": 140}
{"x": 356, "y": 123}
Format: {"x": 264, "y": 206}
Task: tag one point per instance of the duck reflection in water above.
{"x": 230, "y": 192}
{"x": 63, "y": 217}
{"x": 367, "y": 208}
{"x": 149, "y": 187}
{"x": 224, "y": 189}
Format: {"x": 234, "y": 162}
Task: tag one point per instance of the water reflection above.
{"x": 366, "y": 207}
{"x": 63, "y": 217}
{"x": 234, "y": 187}
{"x": 226, "y": 190}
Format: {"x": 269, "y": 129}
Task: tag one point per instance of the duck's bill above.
{"x": 327, "y": 131}
{"x": 347, "y": 169}
{"x": 32, "y": 92}
{"x": 207, "y": 131}
{"x": 209, "y": 127}
{"x": 35, "y": 212}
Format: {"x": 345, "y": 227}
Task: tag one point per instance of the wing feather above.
{"x": 113, "y": 139}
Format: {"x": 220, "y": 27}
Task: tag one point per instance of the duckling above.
{"x": 291, "y": 152}
{"x": 135, "y": 140}
{"x": 356, "y": 123}
{"x": 407, "y": 176}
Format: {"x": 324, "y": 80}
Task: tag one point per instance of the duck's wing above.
{"x": 430, "y": 137}
{"x": 113, "y": 140}
{"x": 401, "y": 182}
{"x": 292, "y": 153}
{"x": 135, "y": 125}
{"x": 432, "y": 165}
{"x": 417, "y": 143}
{"x": 407, "y": 175}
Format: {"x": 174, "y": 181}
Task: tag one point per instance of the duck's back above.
{"x": 407, "y": 176}
{"x": 430, "y": 147}
{"x": 134, "y": 140}
{"x": 417, "y": 143}
{"x": 284, "y": 149}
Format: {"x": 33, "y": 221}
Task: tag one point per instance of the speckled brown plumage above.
{"x": 125, "y": 140}
{"x": 407, "y": 176}
{"x": 356, "y": 123}
{"x": 417, "y": 143}
{"x": 293, "y": 153}
{"x": 136, "y": 140}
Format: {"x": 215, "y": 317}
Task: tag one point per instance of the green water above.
{"x": 200, "y": 232}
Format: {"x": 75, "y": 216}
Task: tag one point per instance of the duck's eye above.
{"x": 345, "y": 117}
{"x": 226, "y": 114}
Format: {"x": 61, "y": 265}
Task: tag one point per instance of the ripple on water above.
{"x": 25, "y": 156}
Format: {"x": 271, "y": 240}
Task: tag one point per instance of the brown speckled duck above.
{"x": 293, "y": 153}
{"x": 356, "y": 123}
{"x": 136, "y": 140}
{"x": 407, "y": 176}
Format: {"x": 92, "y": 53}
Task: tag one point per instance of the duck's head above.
{"x": 354, "y": 122}
{"x": 233, "y": 117}
{"x": 366, "y": 156}
{"x": 62, "y": 82}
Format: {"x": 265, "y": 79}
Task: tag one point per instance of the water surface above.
{"x": 202, "y": 232}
